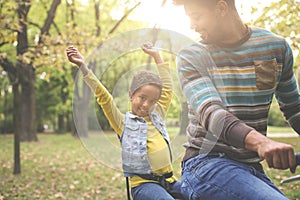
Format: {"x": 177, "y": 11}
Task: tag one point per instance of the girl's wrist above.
{"x": 84, "y": 69}
{"x": 157, "y": 58}
{"x": 82, "y": 65}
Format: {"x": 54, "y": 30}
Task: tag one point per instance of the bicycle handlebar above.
{"x": 297, "y": 155}
{"x": 293, "y": 178}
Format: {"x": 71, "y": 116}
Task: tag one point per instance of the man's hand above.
{"x": 278, "y": 155}
{"x": 74, "y": 56}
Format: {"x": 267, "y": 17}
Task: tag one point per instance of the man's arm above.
{"x": 205, "y": 100}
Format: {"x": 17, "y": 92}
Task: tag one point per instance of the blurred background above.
{"x": 38, "y": 85}
{"x": 37, "y": 81}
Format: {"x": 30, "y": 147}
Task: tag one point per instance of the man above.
{"x": 229, "y": 79}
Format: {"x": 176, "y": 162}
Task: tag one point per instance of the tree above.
{"x": 22, "y": 74}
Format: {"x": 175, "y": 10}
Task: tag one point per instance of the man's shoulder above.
{"x": 196, "y": 48}
{"x": 261, "y": 32}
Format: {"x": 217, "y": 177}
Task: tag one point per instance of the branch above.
{"x": 97, "y": 17}
{"x": 3, "y": 43}
{"x": 34, "y": 24}
{"x": 9, "y": 68}
{"x": 50, "y": 19}
{"x": 56, "y": 28}
{"x": 7, "y": 27}
{"x": 123, "y": 18}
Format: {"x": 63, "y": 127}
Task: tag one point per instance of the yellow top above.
{"x": 157, "y": 148}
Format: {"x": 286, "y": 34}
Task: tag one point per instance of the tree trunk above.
{"x": 26, "y": 77}
{"x": 82, "y": 118}
{"x": 28, "y": 118}
{"x": 62, "y": 117}
{"x": 97, "y": 17}
{"x": 13, "y": 77}
{"x": 61, "y": 123}
{"x": 17, "y": 129}
{"x": 80, "y": 107}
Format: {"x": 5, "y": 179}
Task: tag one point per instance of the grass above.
{"x": 287, "y": 129}
{"x": 57, "y": 167}
{"x": 62, "y": 167}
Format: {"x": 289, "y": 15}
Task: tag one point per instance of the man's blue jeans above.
{"x": 215, "y": 176}
{"x": 154, "y": 191}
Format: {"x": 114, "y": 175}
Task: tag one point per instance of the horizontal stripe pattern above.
{"x": 233, "y": 77}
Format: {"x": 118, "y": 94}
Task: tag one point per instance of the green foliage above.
{"x": 53, "y": 97}
{"x": 73, "y": 24}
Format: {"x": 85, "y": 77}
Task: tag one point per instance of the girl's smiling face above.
{"x": 143, "y": 100}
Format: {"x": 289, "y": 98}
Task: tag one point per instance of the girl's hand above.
{"x": 74, "y": 56}
{"x": 148, "y": 49}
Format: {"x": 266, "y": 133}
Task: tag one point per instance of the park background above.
{"x": 43, "y": 155}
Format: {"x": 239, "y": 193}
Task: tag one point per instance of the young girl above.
{"x": 146, "y": 153}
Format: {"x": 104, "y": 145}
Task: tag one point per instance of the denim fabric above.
{"x": 159, "y": 123}
{"x": 134, "y": 143}
{"x": 154, "y": 191}
{"x": 215, "y": 176}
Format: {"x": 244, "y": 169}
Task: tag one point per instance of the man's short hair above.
{"x": 231, "y": 3}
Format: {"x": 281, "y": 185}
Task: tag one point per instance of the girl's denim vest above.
{"x": 134, "y": 143}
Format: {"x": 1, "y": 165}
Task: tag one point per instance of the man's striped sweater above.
{"x": 230, "y": 90}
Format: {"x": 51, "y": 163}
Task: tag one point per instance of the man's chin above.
{"x": 206, "y": 40}
{"x": 203, "y": 39}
